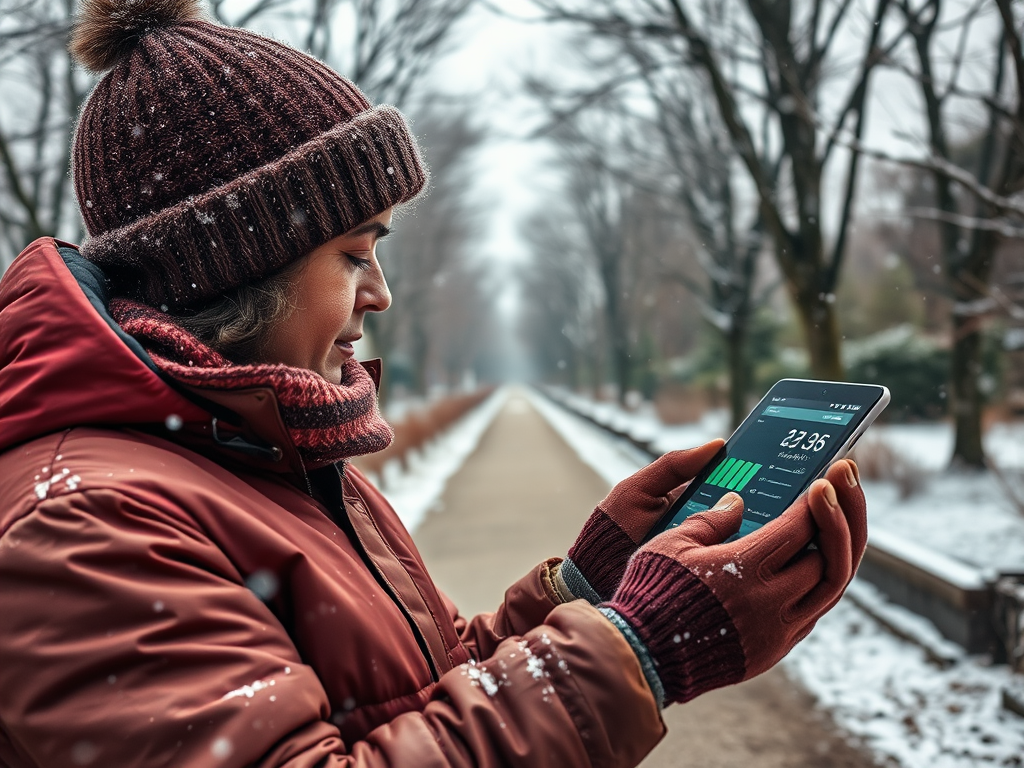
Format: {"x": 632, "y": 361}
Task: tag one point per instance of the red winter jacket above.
{"x": 179, "y": 597}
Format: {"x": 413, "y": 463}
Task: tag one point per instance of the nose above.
{"x": 376, "y": 295}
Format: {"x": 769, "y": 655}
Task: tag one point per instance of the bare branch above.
{"x": 1000, "y": 204}
{"x": 1000, "y": 226}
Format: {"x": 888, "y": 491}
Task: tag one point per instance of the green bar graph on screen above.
{"x": 747, "y": 476}
{"x": 741, "y": 470}
{"x": 733, "y": 474}
{"x": 728, "y": 476}
{"x": 722, "y": 469}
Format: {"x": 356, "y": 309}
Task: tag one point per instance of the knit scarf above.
{"x": 327, "y": 422}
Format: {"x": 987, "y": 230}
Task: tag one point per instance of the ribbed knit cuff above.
{"x": 601, "y": 552}
{"x": 642, "y": 654}
{"x": 569, "y": 579}
{"x": 186, "y": 254}
{"x": 687, "y": 631}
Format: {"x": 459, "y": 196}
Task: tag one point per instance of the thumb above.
{"x": 715, "y": 525}
{"x": 665, "y": 474}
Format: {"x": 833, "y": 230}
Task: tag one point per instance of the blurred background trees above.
{"x": 763, "y": 111}
{"x": 724, "y": 191}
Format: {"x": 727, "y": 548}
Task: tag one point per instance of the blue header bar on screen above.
{"x": 808, "y": 414}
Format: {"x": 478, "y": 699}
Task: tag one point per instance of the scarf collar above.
{"x": 327, "y": 422}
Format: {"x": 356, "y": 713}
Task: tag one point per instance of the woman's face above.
{"x": 333, "y": 289}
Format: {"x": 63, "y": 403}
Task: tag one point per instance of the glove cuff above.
{"x": 688, "y": 632}
{"x": 568, "y": 576}
{"x": 642, "y": 654}
{"x": 600, "y": 553}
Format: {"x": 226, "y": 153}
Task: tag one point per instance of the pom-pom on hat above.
{"x": 208, "y": 157}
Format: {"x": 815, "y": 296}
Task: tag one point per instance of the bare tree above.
{"x": 729, "y": 236}
{"x": 43, "y": 94}
{"x": 777, "y": 128}
{"x": 674, "y": 147}
{"x": 974, "y": 182}
{"x": 385, "y": 46}
{"x": 622, "y": 235}
{"x": 605, "y": 207}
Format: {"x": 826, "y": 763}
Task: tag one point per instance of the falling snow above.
{"x": 221, "y": 748}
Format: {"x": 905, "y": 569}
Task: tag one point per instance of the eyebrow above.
{"x": 370, "y": 227}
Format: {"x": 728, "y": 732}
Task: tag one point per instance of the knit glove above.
{"x": 618, "y": 524}
{"x": 702, "y": 614}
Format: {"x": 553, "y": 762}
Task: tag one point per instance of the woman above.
{"x": 192, "y": 572}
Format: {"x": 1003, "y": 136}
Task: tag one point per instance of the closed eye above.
{"x": 359, "y": 263}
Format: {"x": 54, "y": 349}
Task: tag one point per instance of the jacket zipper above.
{"x": 341, "y": 519}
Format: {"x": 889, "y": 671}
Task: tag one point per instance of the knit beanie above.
{"x": 208, "y": 157}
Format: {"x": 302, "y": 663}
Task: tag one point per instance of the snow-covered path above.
{"x": 882, "y": 690}
{"x": 522, "y": 497}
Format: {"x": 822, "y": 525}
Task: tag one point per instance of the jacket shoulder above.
{"x": 156, "y": 472}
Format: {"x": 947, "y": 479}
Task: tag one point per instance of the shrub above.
{"x": 915, "y": 368}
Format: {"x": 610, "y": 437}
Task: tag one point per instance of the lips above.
{"x": 345, "y": 345}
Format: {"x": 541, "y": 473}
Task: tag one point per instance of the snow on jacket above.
{"x": 170, "y": 594}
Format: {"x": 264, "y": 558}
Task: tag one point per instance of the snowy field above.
{"x": 882, "y": 691}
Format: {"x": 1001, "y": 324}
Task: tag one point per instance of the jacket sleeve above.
{"x": 526, "y": 605}
{"x": 121, "y": 626}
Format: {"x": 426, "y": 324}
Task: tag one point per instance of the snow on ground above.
{"x": 930, "y": 446}
{"x": 612, "y": 460}
{"x": 890, "y": 698}
{"x": 882, "y": 690}
{"x": 968, "y": 516}
{"x": 414, "y": 492}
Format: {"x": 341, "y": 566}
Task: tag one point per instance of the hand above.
{"x": 711, "y": 614}
{"x": 618, "y": 524}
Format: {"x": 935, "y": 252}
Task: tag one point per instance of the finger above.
{"x": 639, "y": 500}
{"x": 676, "y": 468}
{"x": 715, "y": 525}
{"x": 835, "y": 546}
{"x": 782, "y": 539}
{"x": 845, "y": 479}
{"x": 668, "y": 472}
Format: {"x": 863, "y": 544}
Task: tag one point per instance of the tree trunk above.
{"x": 739, "y": 373}
{"x": 419, "y": 349}
{"x": 821, "y": 330}
{"x": 621, "y": 364}
{"x": 967, "y": 401}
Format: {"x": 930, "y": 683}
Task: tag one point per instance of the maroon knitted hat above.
{"x": 209, "y": 157}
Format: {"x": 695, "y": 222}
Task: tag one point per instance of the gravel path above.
{"x": 522, "y": 497}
